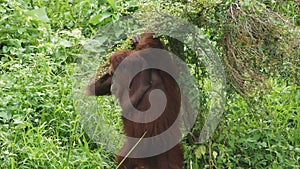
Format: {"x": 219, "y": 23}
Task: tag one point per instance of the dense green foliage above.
{"x": 39, "y": 46}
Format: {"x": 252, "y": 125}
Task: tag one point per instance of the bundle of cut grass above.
{"x": 258, "y": 44}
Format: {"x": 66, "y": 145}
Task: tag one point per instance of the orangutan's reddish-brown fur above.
{"x": 140, "y": 88}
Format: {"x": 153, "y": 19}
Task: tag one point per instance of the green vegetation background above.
{"x": 39, "y": 128}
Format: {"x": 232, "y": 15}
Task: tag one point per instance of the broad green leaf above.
{"x": 5, "y": 115}
{"x": 96, "y": 19}
{"x": 201, "y": 150}
{"x": 112, "y": 4}
{"x": 215, "y": 154}
{"x": 38, "y": 14}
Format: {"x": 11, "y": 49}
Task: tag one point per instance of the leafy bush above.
{"x": 39, "y": 127}
{"x": 261, "y": 136}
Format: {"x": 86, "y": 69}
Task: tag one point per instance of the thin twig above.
{"x": 131, "y": 150}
